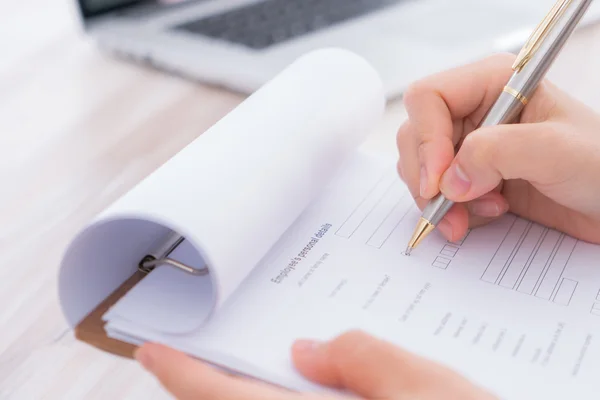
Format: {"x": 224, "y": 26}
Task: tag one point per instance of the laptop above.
{"x": 240, "y": 44}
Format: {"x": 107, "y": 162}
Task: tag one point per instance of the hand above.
{"x": 355, "y": 361}
{"x": 545, "y": 169}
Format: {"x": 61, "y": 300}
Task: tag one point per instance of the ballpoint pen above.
{"x": 530, "y": 67}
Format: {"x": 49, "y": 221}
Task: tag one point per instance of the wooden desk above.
{"x": 78, "y": 129}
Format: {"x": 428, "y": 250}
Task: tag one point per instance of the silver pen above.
{"x": 530, "y": 67}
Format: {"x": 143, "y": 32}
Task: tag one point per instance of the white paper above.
{"x": 241, "y": 184}
{"x": 513, "y": 306}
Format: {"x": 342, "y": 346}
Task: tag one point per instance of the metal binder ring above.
{"x": 150, "y": 263}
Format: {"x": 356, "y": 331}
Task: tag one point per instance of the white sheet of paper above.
{"x": 513, "y": 306}
{"x": 240, "y": 185}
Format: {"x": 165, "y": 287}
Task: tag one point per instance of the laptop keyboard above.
{"x": 270, "y": 22}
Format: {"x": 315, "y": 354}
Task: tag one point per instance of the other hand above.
{"x": 546, "y": 168}
{"x": 357, "y": 362}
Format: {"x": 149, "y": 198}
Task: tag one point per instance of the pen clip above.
{"x": 539, "y": 34}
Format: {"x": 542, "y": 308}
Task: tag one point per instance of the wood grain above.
{"x": 77, "y": 130}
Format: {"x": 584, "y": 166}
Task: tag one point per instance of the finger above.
{"x": 486, "y": 209}
{"x": 532, "y": 152}
{"x": 489, "y": 206}
{"x": 464, "y": 216}
{"x": 435, "y": 103}
{"x": 455, "y": 224}
{"x": 189, "y": 379}
{"x": 373, "y": 368}
{"x": 406, "y": 141}
{"x": 408, "y": 162}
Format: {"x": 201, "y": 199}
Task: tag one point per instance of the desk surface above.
{"x": 78, "y": 129}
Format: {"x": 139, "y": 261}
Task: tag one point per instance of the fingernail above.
{"x": 455, "y": 182}
{"x": 424, "y": 182}
{"x": 445, "y": 228}
{"x": 144, "y": 357}
{"x": 486, "y": 208}
{"x": 306, "y": 346}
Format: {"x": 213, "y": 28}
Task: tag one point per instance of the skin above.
{"x": 546, "y": 169}
{"x": 354, "y": 361}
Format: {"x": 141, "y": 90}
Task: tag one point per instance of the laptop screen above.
{"x": 91, "y": 8}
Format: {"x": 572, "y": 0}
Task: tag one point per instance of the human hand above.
{"x": 545, "y": 169}
{"x": 359, "y": 363}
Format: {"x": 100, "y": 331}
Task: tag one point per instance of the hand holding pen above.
{"x": 543, "y": 167}
{"x": 482, "y": 98}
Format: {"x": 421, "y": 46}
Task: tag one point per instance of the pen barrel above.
{"x": 505, "y": 110}
{"x": 526, "y": 80}
{"x": 436, "y": 209}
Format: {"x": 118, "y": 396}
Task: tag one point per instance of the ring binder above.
{"x": 160, "y": 257}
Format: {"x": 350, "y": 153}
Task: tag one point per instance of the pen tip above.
{"x": 424, "y": 227}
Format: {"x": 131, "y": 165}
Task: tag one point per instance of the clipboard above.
{"x": 91, "y": 329}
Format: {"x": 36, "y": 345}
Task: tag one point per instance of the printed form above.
{"x": 513, "y": 305}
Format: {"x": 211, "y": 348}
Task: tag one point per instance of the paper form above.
{"x": 513, "y": 306}
{"x": 238, "y": 186}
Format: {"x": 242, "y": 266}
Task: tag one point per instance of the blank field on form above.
{"x": 554, "y": 271}
{"x": 391, "y": 221}
{"x": 565, "y": 292}
{"x": 366, "y": 206}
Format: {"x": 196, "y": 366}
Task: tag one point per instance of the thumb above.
{"x": 372, "y": 368}
{"x": 532, "y": 152}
